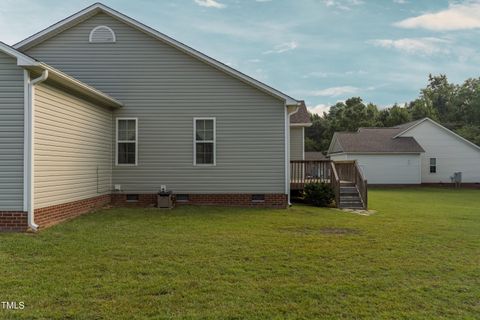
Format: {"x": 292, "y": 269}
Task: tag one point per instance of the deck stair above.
{"x": 350, "y": 197}
{"x": 345, "y": 177}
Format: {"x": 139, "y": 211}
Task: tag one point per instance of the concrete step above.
{"x": 352, "y": 207}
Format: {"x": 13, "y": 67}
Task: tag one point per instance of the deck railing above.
{"x": 362, "y": 185}
{"x": 303, "y": 172}
{"x": 335, "y": 173}
{"x": 335, "y": 183}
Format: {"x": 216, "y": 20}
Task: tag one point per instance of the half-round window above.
{"x": 102, "y": 34}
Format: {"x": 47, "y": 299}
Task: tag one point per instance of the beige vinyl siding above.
{"x": 73, "y": 139}
{"x": 11, "y": 134}
{"x": 296, "y": 143}
{"x": 165, "y": 89}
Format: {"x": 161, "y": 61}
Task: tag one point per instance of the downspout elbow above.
{"x": 40, "y": 79}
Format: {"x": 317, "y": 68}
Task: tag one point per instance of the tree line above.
{"x": 455, "y": 106}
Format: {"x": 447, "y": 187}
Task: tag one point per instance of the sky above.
{"x": 320, "y": 51}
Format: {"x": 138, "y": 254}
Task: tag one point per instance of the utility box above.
{"x": 165, "y": 200}
{"x": 457, "y": 179}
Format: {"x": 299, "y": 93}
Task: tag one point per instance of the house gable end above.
{"x": 80, "y": 17}
{"x": 408, "y": 132}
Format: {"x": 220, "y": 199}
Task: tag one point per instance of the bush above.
{"x": 319, "y": 194}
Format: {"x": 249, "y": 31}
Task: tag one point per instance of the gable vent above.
{"x": 102, "y": 34}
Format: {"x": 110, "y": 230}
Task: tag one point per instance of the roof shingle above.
{"x": 301, "y": 116}
{"x": 378, "y": 140}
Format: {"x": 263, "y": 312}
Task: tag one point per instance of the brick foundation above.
{"x": 13, "y": 221}
{"x": 144, "y": 200}
{"x": 235, "y": 200}
{"x": 49, "y": 216}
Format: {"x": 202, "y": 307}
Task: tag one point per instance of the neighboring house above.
{"x": 115, "y": 110}
{"x": 421, "y": 151}
{"x": 298, "y": 122}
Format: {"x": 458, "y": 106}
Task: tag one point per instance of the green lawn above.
{"x": 418, "y": 257}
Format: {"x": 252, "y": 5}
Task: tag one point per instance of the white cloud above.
{"x": 400, "y": 1}
{"x": 423, "y": 46}
{"x": 319, "y": 108}
{"x": 456, "y": 17}
{"x": 283, "y": 47}
{"x": 210, "y": 4}
{"x": 321, "y": 74}
{"x": 334, "y": 91}
{"x": 342, "y": 4}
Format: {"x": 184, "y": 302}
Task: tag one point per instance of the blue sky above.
{"x": 322, "y": 51}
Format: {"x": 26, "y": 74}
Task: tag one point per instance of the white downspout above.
{"x": 31, "y": 143}
{"x": 287, "y": 150}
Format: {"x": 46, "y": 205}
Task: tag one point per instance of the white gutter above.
{"x": 30, "y": 130}
{"x": 287, "y": 149}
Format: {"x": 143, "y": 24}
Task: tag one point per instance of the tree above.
{"x": 394, "y": 116}
{"x": 420, "y": 109}
{"x": 471, "y": 133}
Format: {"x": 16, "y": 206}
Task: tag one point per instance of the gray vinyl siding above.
{"x": 296, "y": 143}
{"x": 165, "y": 89}
{"x": 73, "y": 139}
{"x": 11, "y": 134}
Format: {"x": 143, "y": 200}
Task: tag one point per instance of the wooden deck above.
{"x": 339, "y": 174}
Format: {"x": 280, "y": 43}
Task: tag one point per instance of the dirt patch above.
{"x": 308, "y": 230}
{"x": 340, "y": 231}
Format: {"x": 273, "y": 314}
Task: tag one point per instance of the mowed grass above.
{"x": 418, "y": 257}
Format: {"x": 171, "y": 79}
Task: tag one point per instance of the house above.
{"x": 418, "y": 152}
{"x": 99, "y": 109}
{"x": 299, "y": 120}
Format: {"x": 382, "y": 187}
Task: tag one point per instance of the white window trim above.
{"x": 430, "y": 165}
{"x": 126, "y": 141}
{"x": 195, "y": 142}
{"x": 98, "y": 27}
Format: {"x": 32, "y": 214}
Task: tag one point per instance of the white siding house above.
{"x": 385, "y": 168}
{"x": 446, "y": 151}
{"x": 417, "y": 152}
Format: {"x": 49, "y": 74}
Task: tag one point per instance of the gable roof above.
{"x": 301, "y": 118}
{"x": 376, "y": 140}
{"x": 413, "y": 124}
{"x": 59, "y": 77}
{"x": 99, "y": 7}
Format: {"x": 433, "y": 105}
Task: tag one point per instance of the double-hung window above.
{"x": 127, "y": 141}
{"x": 204, "y": 142}
{"x": 433, "y": 165}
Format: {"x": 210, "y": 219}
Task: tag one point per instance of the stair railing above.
{"x": 335, "y": 183}
{"x": 362, "y": 185}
